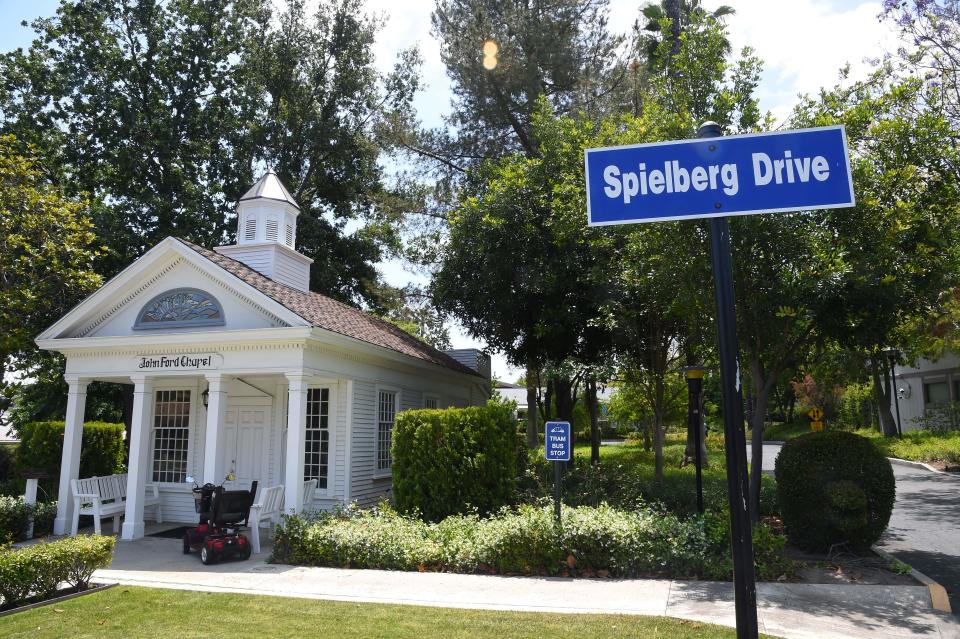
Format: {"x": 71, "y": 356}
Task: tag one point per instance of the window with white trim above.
{"x": 387, "y": 414}
{"x": 431, "y": 401}
{"x": 317, "y": 437}
{"x": 171, "y": 435}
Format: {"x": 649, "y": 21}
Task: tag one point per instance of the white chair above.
{"x": 267, "y": 509}
{"x": 309, "y": 488}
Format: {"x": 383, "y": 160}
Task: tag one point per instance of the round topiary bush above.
{"x": 834, "y": 488}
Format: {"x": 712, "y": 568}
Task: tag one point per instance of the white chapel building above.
{"x": 238, "y": 368}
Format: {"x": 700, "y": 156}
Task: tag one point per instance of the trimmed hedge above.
{"x": 600, "y": 541}
{"x": 41, "y": 447}
{"x": 15, "y": 518}
{"x": 36, "y": 571}
{"x": 455, "y": 460}
{"x": 834, "y": 488}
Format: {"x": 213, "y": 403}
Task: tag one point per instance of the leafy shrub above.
{"x": 41, "y": 448}
{"x": 632, "y": 485}
{"x": 15, "y": 515}
{"x": 525, "y": 540}
{"x": 37, "y": 570}
{"x": 856, "y": 408}
{"x": 447, "y": 461}
{"x": 14, "y": 518}
{"x": 834, "y": 487}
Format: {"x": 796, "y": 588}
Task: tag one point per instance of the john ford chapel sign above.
{"x": 181, "y": 362}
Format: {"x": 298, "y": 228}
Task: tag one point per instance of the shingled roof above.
{"x": 329, "y": 314}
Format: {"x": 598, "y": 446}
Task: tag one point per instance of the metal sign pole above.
{"x": 557, "y": 476}
{"x": 744, "y": 580}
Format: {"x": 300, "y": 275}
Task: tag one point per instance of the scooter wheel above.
{"x": 186, "y": 543}
{"x": 207, "y": 556}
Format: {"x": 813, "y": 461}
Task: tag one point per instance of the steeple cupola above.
{"x": 267, "y": 234}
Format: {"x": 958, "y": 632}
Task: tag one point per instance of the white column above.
{"x": 216, "y": 416}
{"x": 139, "y": 457}
{"x": 70, "y": 461}
{"x": 296, "y": 424}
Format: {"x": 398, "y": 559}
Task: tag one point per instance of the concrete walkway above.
{"x": 786, "y": 610}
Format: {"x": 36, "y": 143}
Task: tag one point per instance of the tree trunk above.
{"x": 647, "y": 443}
{"x": 659, "y": 428}
{"x": 532, "y": 421}
{"x": 591, "y": 401}
{"x": 762, "y": 384}
{"x": 881, "y": 387}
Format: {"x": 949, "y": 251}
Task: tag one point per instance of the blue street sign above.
{"x": 558, "y": 441}
{"x": 712, "y": 177}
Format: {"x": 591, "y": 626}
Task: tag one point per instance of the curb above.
{"x": 914, "y": 464}
{"x": 938, "y": 594}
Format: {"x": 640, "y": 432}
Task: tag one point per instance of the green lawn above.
{"x": 922, "y": 446}
{"x": 630, "y": 468}
{"x": 129, "y": 613}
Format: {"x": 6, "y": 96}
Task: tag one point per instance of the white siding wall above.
{"x": 365, "y": 490}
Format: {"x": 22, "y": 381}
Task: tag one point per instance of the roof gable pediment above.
{"x": 171, "y": 289}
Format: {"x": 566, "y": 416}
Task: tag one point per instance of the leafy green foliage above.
{"x": 41, "y": 448}
{"x": 38, "y": 570}
{"x": 15, "y": 514}
{"x": 46, "y": 255}
{"x": 590, "y": 541}
{"x": 164, "y": 111}
{"x": 834, "y": 488}
{"x": 449, "y": 461}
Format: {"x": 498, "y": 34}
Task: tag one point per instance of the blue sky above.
{"x": 804, "y": 43}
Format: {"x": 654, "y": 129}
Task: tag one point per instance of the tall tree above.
{"x": 164, "y": 112}
{"x": 47, "y": 250}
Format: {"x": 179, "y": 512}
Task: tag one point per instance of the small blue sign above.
{"x": 558, "y": 441}
{"x": 712, "y": 177}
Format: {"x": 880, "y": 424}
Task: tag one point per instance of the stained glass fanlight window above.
{"x": 179, "y": 308}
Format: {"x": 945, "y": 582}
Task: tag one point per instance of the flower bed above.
{"x": 592, "y": 541}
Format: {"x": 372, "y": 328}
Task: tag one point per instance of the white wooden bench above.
{"x": 309, "y": 489}
{"x": 267, "y": 509}
{"x": 105, "y": 496}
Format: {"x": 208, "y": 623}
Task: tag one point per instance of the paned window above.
{"x": 171, "y": 434}
{"x": 936, "y": 393}
{"x": 317, "y": 437}
{"x": 387, "y": 414}
{"x": 431, "y": 402}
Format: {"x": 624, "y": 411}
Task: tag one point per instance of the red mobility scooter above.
{"x": 222, "y": 514}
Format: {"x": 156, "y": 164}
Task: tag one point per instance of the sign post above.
{"x": 557, "y": 449}
{"x": 714, "y": 177}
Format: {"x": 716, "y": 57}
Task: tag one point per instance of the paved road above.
{"x": 924, "y": 529}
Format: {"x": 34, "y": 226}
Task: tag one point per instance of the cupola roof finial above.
{"x": 270, "y": 187}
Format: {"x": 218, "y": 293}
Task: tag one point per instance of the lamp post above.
{"x": 694, "y": 376}
{"x": 893, "y": 354}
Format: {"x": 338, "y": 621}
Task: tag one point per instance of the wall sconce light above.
{"x": 205, "y": 397}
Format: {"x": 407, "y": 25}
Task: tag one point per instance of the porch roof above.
{"x": 329, "y": 314}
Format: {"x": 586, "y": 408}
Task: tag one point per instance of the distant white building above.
{"x": 237, "y": 367}
{"x": 928, "y": 386}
